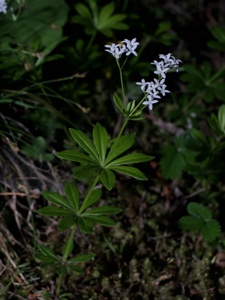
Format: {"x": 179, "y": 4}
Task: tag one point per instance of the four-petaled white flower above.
{"x": 150, "y": 103}
{"x": 3, "y": 6}
{"x": 126, "y": 46}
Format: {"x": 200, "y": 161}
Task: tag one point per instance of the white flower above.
{"x": 162, "y": 90}
{"x": 126, "y": 46}
{"x": 161, "y": 70}
{"x": 143, "y": 84}
{"x": 3, "y": 6}
{"x": 150, "y": 102}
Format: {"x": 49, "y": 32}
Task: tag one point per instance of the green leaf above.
{"x": 172, "y": 162}
{"x": 83, "y": 10}
{"x": 46, "y": 259}
{"x": 75, "y": 269}
{"x": 94, "y": 197}
{"x": 55, "y": 198}
{"x": 53, "y": 211}
{"x": 73, "y": 155}
{"x": 84, "y": 142}
{"x": 81, "y": 258}
{"x": 108, "y": 178}
{"x": 211, "y": 230}
{"x": 199, "y": 210}
{"x": 67, "y": 222}
{"x": 131, "y": 159}
{"x": 85, "y": 224}
{"x": 100, "y": 137}
{"x": 118, "y": 103}
{"x": 47, "y": 251}
{"x": 72, "y": 195}
{"x": 221, "y": 118}
{"x": 120, "y": 145}
{"x": 102, "y": 210}
{"x": 105, "y": 14}
{"x": 102, "y": 220}
{"x": 130, "y": 171}
{"x": 68, "y": 247}
{"x": 191, "y": 223}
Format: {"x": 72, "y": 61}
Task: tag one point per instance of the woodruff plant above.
{"x": 100, "y": 159}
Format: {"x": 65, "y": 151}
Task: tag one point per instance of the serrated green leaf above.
{"x": 108, "y": 178}
{"x": 55, "y": 198}
{"x": 67, "y": 222}
{"x": 102, "y": 220}
{"x": 76, "y": 156}
{"x": 85, "y": 225}
{"x": 72, "y": 195}
{"x": 100, "y": 138}
{"x": 93, "y": 198}
{"x": 81, "y": 258}
{"x": 191, "y": 223}
{"x": 199, "y": 210}
{"x": 53, "y": 211}
{"x": 172, "y": 162}
{"x": 130, "y": 159}
{"x": 102, "y": 210}
{"x": 84, "y": 142}
{"x": 120, "y": 145}
{"x": 130, "y": 171}
{"x": 211, "y": 230}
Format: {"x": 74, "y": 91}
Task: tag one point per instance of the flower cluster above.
{"x": 126, "y": 46}
{"x": 155, "y": 88}
{"x": 3, "y": 6}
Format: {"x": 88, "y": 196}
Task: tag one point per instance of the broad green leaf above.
{"x": 102, "y": 220}
{"x": 47, "y": 251}
{"x": 73, "y": 155}
{"x": 72, "y": 195}
{"x": 102, "y": 210}
{"x": 118, "y": 103}
{"x": 85, "y": 224}
{"x": 82, "y": 258}
{"x": 130, "y": 159}
{"x": 100, "y": 137}
{"x": 94, "y": 197}
{"x": 84, "y": 142}
{"x": 105, "y": 13}
{"x": 55, "y": 198}
{"x": 120, "y": 145}
{"x": 191, "y": 223}
{"x": 211, "y": 230}
{"x": 199, "y": 210}
{"x": 130, "y": 171}
{"x": 68, "y": 247}
{"x": 172, "y": 162}
{"x": 67, "y": 222}
{"x": 75, "y": 268}
{"x": 83, "y": 10}
{"x": 53, "y": 211}
{"x": 108, "y": 178}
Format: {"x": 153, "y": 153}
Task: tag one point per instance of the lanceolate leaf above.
{"x": 72, "y": 195}
{"x": 130, "y": 171}
{"x": 100, "y": 137}
{"x": 102, "y": 210}
{"x": 108, "y": 178}
{"x": 47, "y": 251}
{"x": 82, "y": 258}
{"x": 94, "y": 197}
{"x": 120, "y": 145}
{"x": 53, "y": 211}
{"x": 102, "y": 220}
{"x": 118, "y": 103}
{"x": 85, "y": 224}
{"x": 131, "y": 159}
{"x": 56, "y": 199}
{"x": 73, "y": 155}
{"x": 84, "y": 142}
{"x": 67, "y": 222}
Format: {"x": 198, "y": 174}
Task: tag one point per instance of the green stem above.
{"x": 88, "y": 195}
{"x": 91, "y": 41}
{"x": 121, "y": 81}
{"x": 122, "y": 128}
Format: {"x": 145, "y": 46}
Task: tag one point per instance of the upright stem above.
{"x": 88, "y": 195}
{"x": 121, "y": 81}
{"x": 91, "y": 41}
{"x": 122, "y": 128}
